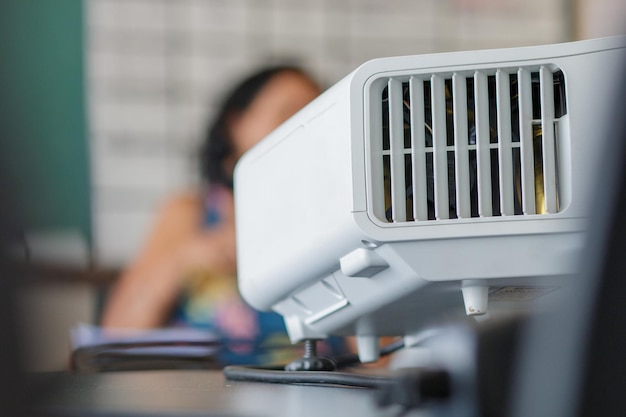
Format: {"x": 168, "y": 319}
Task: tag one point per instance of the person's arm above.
{"x": 147, "y": 290}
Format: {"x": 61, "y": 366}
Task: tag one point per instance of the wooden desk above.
{"x": 200, "y": 393}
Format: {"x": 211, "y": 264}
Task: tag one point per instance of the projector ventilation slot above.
{"x": 469, "y": 144}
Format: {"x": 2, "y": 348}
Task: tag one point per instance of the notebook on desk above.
{"x": 97, "y": 349}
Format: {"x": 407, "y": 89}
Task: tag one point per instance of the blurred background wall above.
{"x": 105, "y": 103}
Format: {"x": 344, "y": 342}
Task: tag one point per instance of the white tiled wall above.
{"x": 156, "y": 69}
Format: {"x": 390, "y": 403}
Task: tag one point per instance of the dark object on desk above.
{"x": 416, "y": 387}
{"x": 13, "y": 391}
{"x": 11, "y": 382}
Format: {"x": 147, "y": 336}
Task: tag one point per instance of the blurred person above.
{"x": 185, "y": 274}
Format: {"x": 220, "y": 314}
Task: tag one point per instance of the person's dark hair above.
{"x": 217, "y": 145}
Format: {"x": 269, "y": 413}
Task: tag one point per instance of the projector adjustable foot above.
{"x": 475, "y": 297}
{"x": 310, "y": 361}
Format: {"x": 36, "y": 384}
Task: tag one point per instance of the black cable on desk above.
{"x": 278, "y": 376}
{"x": 408, "y": 389}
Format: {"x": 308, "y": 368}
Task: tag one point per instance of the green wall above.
{"x": 42, "y": 113}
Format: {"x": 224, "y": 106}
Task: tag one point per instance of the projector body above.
{"x": 425, "y": 188}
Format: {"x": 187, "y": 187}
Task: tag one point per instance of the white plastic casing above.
{"x": 312, "y": 243}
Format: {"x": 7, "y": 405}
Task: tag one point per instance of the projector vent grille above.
{"x": 467, "y": 144}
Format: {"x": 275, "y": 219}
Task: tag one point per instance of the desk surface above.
{"x": 200, "y": 393}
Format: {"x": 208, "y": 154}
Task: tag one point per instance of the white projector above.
{"x": 424, "y": 188}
